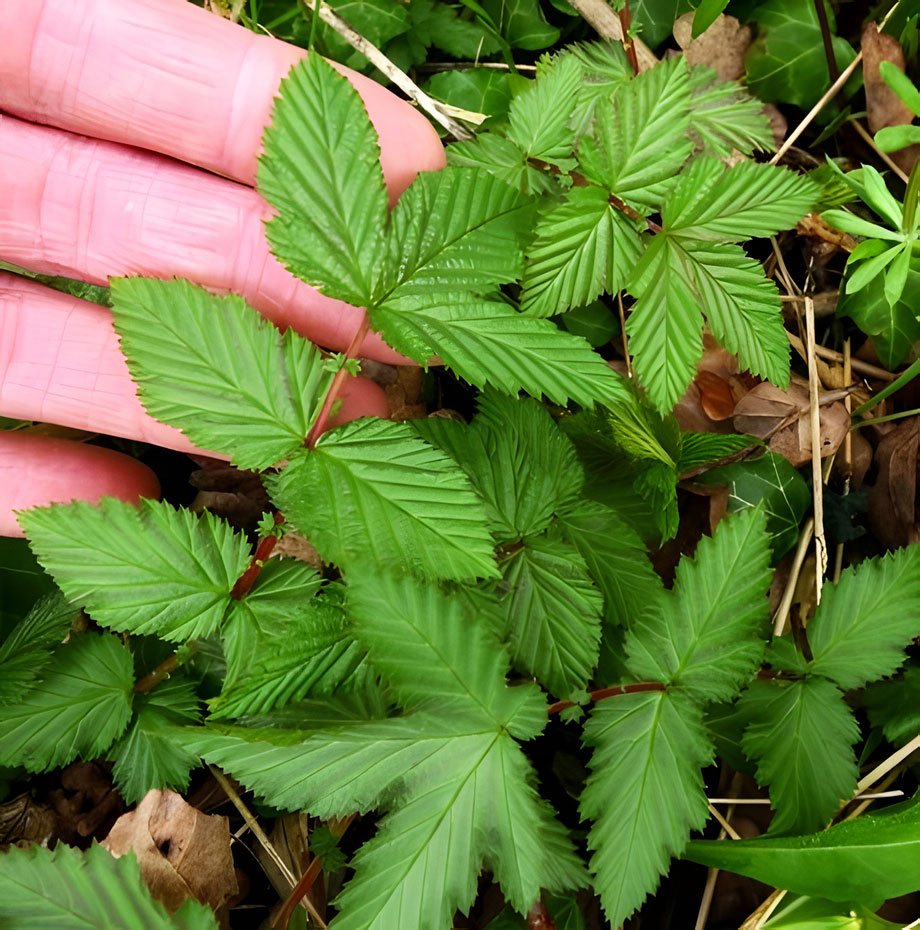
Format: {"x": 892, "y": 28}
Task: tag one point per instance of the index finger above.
{"x": 172, "y": 78}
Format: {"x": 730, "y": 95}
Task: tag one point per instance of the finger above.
{"x": 88, "y": 209}
{"x": 171, "y": 77}
{"x": 38, "y": 470}
{"x": 60, "y": 362}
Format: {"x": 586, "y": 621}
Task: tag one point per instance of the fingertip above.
{"x": 39, "y": 470}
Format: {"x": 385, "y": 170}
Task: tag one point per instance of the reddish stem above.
{"x": 612, "y": 691}
{"x": 266, "y": 545}
{"x": 539, "y": 918}
{"x": 338, "y": 382}
{"x": 628, "y": 45}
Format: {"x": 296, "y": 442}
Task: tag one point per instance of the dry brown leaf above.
{"x": 182, "y": 852}
{"x": 894, "y": 510}
{"x": 25, "y": 820}
{"x": 861, "y": 455}
{"x": 722, "y": 46}
{"x": 883, "y": 106}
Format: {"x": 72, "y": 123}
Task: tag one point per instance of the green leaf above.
{"x": 748, "y": 200}
{"x": 636, "y": 151}
{"x": 146, "y": 570}
{"x": 596, "y": 323}
{"x": 480, "y": 90}
{"x": 666, "y": 325}
{"x": 583, "y": 248}
{"x": 22, "y": 581}
{"x": 705, "y": 636}
{"x": 82, "y": 703}
{"x": 902, "y": 85}
{"x": 707, "y": 12}
{"x": 787, "y": 62}
{"x": 771, "y": 483}
{"x": 522, "y": 23}
{"x": 518, "y": 460}
{"x": 869, "y": 859}
{"x": 644, "y": 795}
{"x": 604, "y": 67}
{"x": 150, "y": 753}
{"x": 26, "y": 652}
{"x": 213, "y": 368}
{"x": 803, "y": 913}
{"x": 538, "y": 119}
{"x": 725, "y": 117}
{"x": 438, "y": 24}
{"x": 489, "y": 344}
{"x": 453, "y": 231}
{"x": 700, "y": 449}
{"x": 654, "y": 19}
{"x": 552, "y": 614}
{"x": 503, "y": 159}
{"x": 321, "y": 171}
{"x": 616, "y": 559}
{"x": 801, "y": 737}
{"x": 866, "y": 620}
{"x": 283, "y": 645}
{"x": 73, "y": 890}
{"x": 895, "y": 706}
{"x": 893, "y": 138}
{"x": 372, "y": 494}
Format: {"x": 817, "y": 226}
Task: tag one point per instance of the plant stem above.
{"x": 629, "y": 46}
{"x": 338, "y": 382}
{"x": 538, "y": 918}
{"x": 611, "y": 691}
{"x": 263, "y": 550}
{"x": 832, "y": 69}
{"x": 146, "y": 684}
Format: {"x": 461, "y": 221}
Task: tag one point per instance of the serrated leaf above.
{"x": 92, "y": 890}
{"x": 724, "y": 117}
{"x": 150, "y": 754}
{"x": 644, "y": 795}
{"x": 801, "y": 737}
{"x": 700, "y": 449}
{"x": 502, "y": 158}
{"x": 868, "y": 859}
{"x": 583, "y": 247}
{"x": 552, "y": 614}
{"x": 538, "y": 118}
{"x": 865, "y": 620}
{"x": 895, "y": 706}
{"x": 373, "y": 494}
{"x": 718, "y": 204}
{"x": 489, "y": 344}
{"x": 604, "y": 67}
{"x": 148, "y": 569}
{"x": 26, "y": 652}
{"x": 665, "y": 328}
{"x": 616, "y": 559}
{"x": 636, "y": 151}
{"x": 321, "y": 171}
{"x": 213, "y": 368}
{"x": 453, "y": 231}
{"x": 81, "y": 705}
{"x": 518, "y": 460}
{"x": 705, "y": 637}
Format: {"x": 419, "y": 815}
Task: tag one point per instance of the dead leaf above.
{"x": 894, "y": 510}
{"x": 883, "y": 106}
{"x": 722, "y": 46}
{"x": 24, "y": 820}
{"x": 716, "y": 396}
{"x": 861, "y": 455}
{"x": 781, "y": 418}
{"x": 293, "y": 545}
{"x": 182, "y": 852}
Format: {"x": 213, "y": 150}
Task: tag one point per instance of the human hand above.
{"x": 96, "y": 89}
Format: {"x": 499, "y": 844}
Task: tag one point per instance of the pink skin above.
{"x": 166, "y": 76}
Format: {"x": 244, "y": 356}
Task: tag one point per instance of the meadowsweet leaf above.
{"x": 645, "y": 792}
{"x": 148, "y": 569}
{"x": 502, "y": 158}
{"x": 895, "y": 706}
{"x": 465, "y": 792}
{"x": 719, "y": 204}
{"x": 700, "y": 449}
{"x": 26, "y": 652}
{"x": 552, "y": 613}
{"x": 538, "y": 118}
{"x": 868, "y": 859}
{"x": 801, "y": 735}
{"x": 215, "y": 369}
{"x": 373, "y": 494}
{"x": 666, "y": 326}
{"x": 742, "y": 307}
{"x": 321, "y": 171}
{"x": 583, "y": 248}
{"x": 705, "y": 637}
{"x": 616, "y": 559}
{"x": 724, "y": 117}
{"x": 866, "y": 620}
{"x": 66, "y": 888}
{"x": 150, "y": 753}
{"x": 517, "y": 459}
{"x": 487, "y": 343}
{"x": 636, "y": 151}
{"x": 82, "y": 703}
{"x": 604, "y": 67}
{"x": 282, "y": 643}
{"x": 454, "y": 231}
